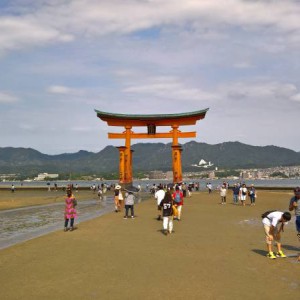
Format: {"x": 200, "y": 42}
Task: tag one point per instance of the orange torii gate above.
{"x": 151, "y": 122}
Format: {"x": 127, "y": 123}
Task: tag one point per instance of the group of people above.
{"x": 121, "y": 201}
{"x": 186, "y": 188}
{"x": 239, "y": 193}
{"x": 169, "y": 206}
{"x": 274, "y": 222}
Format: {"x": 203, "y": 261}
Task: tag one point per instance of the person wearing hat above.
{"x": 252, "y": 194}
{"x": 70, "y": 210}
{"x": 295, "y": 205}
{"x": 223, "y": 192}
{"x": 118, "y": 194}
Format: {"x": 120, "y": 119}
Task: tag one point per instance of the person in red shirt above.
{"x": 178, "y": 201}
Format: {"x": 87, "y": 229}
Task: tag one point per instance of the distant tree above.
{"x": 278, "y": 174}
{"x": 227, "y": 173}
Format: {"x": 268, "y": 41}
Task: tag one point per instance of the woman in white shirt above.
{"x": 243, "y": 194}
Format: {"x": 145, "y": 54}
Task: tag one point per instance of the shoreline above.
{"x": 86, "y": 188}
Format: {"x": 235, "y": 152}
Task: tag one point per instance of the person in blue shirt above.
{"x": 235, "y": 191}
{"x": 295, "y": 205}
{"x": 252, "y": 194}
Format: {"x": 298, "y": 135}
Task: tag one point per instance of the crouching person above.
{"x": 167, "y": 211}
{"x": 274, "y": 222}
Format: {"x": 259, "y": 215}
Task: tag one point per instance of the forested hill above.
{"x": 147, "y": 156}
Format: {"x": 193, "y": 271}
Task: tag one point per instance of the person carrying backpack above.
{"x": 274, "y": 222}
{"x": 178, "y": 201}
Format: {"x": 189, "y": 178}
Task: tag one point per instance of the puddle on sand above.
{"x": 21, "y": 224}
{"x": 252, "y": 222}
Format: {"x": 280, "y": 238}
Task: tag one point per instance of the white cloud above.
{"x": 28, "y": 127}
{"x": 243, "y": 65}
{"x": 7, "y": 98}
{"x": 170, "y": 88}
{"x": 82, "y": 129}
{"x": 296, "y": 97}
{"x": 59, "y": 89}
{"x": 64, "y": 90}
{"x": 19, "y": 32}
{"x": 260, "y": 90}
{"x": 62, "y": 21}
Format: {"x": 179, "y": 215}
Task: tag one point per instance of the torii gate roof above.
{"x": 187, "y": 118}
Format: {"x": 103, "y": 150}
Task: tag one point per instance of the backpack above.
{"x": 265, "y": 214}
{"x": 177, "y": 198}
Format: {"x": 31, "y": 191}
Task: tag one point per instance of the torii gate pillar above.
{"x": 176, "y": 163}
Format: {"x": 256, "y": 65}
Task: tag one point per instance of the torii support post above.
{"x": 128, "y": 154}
{"x": 176, "y": 163}
{"x": 122, "y": 164}
{"x": 151, "y": 122}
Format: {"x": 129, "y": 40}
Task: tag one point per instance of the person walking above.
{"x": 273, "y": 222}
{"x": 243, "y": 194}
{"x": 159, "y": 195}
{"x": 116, "y": 198}
{"x": 209, "y": 186}
{"x": 235, "y": 191}
{"x": 295, "y": 205}
{"x": 252, "y": 195}
{"x": 178, "y": 201}
{"x": 100, "y": 193}
{"x": 223, "y": 192}
{"x": 167, "y": 211}
{"x": 70, "y": 210}
{"x": 129, "y": 204}
{"x": 121, "y": 200}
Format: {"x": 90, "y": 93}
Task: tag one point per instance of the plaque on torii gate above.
{"x": 151, "y": 122}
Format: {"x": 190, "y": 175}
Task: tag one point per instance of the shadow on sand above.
{"x": 260, "y": 252}
{"x": 291, "y": 248}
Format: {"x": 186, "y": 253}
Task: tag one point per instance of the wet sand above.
{"x": 28, "y": 197}
{"x": 217, "y": 252}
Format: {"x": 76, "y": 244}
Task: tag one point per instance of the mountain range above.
{"x": 146, "y": 157}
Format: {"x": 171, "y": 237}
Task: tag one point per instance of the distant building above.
{"x": 169, "y": 175}
{"x": 5, "y": 177}
{"x": 43, "y": 176}
{"x": 211, "y": 175}
{"x": 157, "y": 175}
{"x": 203, "y": 164}
{"x": 245, "y": 175}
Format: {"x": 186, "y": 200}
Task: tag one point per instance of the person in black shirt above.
{"x": 167, "y": 212}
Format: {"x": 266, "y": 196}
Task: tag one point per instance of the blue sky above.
{"x": 61, "y": 59}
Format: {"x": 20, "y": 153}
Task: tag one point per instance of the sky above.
{"x": 62, "y": 59}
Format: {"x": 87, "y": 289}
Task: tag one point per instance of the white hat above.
{"x": 118, "y": 187}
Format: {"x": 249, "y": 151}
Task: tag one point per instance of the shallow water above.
{"x": 21, "y": 224}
